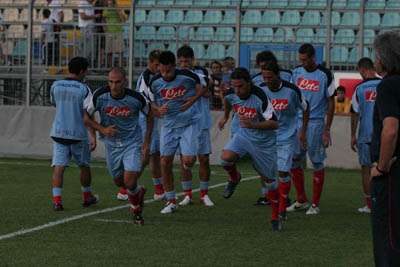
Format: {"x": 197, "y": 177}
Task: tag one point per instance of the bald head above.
{"x": 116, "y": 82}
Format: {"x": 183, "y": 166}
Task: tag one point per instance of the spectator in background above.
{"x": 342, "y": 104}
{"x": 48, "y": 40}
{"x": 86, "y": 24}
{"x": 57, "y": 18}
{"x": 215, "y": 82}
{"x": 114, "y": 41}
{"x": 100, "y": 39}
{"x": 228, "y": 65}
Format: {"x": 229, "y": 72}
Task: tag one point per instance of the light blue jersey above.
{"x": 204, "y": 102}
{"x": 287, "y": 102}
{"x": 71, "y": 98}
{"x": 285, "y": 75}
{"x": 363, "y": 102}
{"x": 317, "y": 87}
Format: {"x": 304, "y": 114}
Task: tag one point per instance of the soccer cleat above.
{"x": 206, "y": 201}
{"x": 170, "y": 207}
{"x": 276, "y": 225}
{"x": 364, "y": 210}
{"x": 296, "y": 206}
{"x": 93, "y": 199}
{"x": 187, "y": 200}
{"x": 58, "y": 207}
{"x": 313, "y": 210}
{"x": 230, "y": 188}
{"x": 283, "y": 216}
{"x": 158, "y": 197}
{"x": 122, "y": 197}
{"x": 262, "y": 201}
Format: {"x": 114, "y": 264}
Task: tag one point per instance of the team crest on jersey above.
{"x": 308, "y": 85}
{"x": 117, "y": 111}
{"x": 173, "y": 93}
{"x": 370, "y": 96}
{"x": 245, "y": 111}
{"x": 280, "y": 104}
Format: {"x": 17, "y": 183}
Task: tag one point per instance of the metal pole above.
{"x": 238, "y": 25}
{"x": 361, "y": 31}
{"x": 328, "y": 34}
{"x": 28, "y": 57}
{"x": 131, "y": 43}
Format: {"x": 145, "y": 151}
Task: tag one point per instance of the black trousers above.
{"x": 385, "y": 193}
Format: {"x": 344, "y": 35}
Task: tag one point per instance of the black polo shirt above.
{"x": 387, "y": 105}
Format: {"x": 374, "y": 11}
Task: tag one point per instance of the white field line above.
{"x": 93, "y": 213}
{"x": 114, "y": 221}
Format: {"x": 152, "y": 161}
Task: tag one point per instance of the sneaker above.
{"x": 262, "y": 201}
{"x": 187, "y": 200}
{"x": 170, "y": 207}
{"x": 276, "y": 225}
{"x": 230, "y": 188}
{"x": 364, "y": 210}
{"x": 58, "y": 207}
{"x": 206, "y": 201}
{"x": 122, "y": 197}
{"x": 296, "y": 206}
{"x": 93, "y": 199}
{"x": 158, "y": 197}
{"x": 313, "y": 210}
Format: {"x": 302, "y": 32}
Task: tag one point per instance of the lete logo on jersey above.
{"x": 370, "y": 96}
{"x": 173, "y": 93}
{"x": 280, "y": 104}
{"x": 117, "y": 111}
{"x": 308, "y": 85}
{"x": 245, "y": 111}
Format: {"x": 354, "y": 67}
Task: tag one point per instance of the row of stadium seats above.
{"x": 14, "y": 14}
{"x": 343, "y": 55}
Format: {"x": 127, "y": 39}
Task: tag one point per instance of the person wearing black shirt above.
{"x": 385, "y": 151}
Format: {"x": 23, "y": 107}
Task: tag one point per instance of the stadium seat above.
{"x": 339, "y": 54}
{"x": 311, "y": 18}
{"x": 251, "y": 17}
{"x": 185, "y": 32}
{"x": 215, "y": 51}
{"x": 23, "y": 15}
{"x": 224, "y": 34}
{"x": 335, "y": 18}
{"x": 223, "y": 3}
{"x": 298, "y": 3}
{"x": 202, "y": 3}
{"x": 346, "y": 4}
{"x": 154, "y": 46}
{"x": 304, "y": 35}
{"x": 19, "y": 49}
{"x": 229, "y": 17}
{"x": 391, "y": 19}
{"x": 317, "y": 3}
{"x": 372, "y": 19}
{"x": 156, "y": 16}
{"x": 11, "y": 14}
{"x": 199, "y": 50}
{"x": 68, "y": 15}
{"x": 354, "y": 57}
{"x": 284, "y": 35}
{"x": 184, "y": 2}
{"x": 165, "y": 2}
{"x": 344, "y": 36}
{"x": 393, "y": 4}
{"x": 166, "y": 33}
{"x": 174, "y": 16}
{"x": 375, "y": 4}
{"x": 350, "y": 19}
{"x": 145, "y": 3}
{"x": 264, "y": 35}
{"x": 369, "y": 36}
{"x": 212, "y": 17}
{"x": 15, "y": 31}
{"x": 204, "y": 34}
{"x": 193, "y": 17}
{"x": 271, "y": 17}
{"x": 230, "y": 51}
{"x": 278, "y": 3}
{"x": 257, "y": 3}
{"x": 140, "y": 16}
{"x": 291, "y": 17}
{"x": 146, "y": 33}
{"x": 172, "y": 47}
{"x": 246, "y": 34}
{"x": 321, "y": 35}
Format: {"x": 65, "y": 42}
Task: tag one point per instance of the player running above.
{"x": 362, "y": 107}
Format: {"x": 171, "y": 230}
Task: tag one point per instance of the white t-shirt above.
{"x": 87, "y": 8}
{"x": 47, "y": 29}
{"x": 55, "y": 9}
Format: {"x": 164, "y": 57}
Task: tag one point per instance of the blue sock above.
{"x": 264, "y": 191}
{"x": 170, "y": 196}
{"x": 86, "y": 189}
{"x": 203, "y": 186}
{"x": 57, "y": 191}
{"x": 157, "y": 181}
{"x": 187, "y": 185}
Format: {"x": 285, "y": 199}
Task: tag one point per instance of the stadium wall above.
{"x": 25, "y": 133}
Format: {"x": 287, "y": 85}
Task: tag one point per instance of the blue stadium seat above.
{"x": 165, "y": 2}
{"x": 146, "y": 2}
{"x": 230, "y": 51}
{"x": 204, "y": 34}
{"x": 246, "y": 34}
{"x": 375, "y": 4}
{"x": 257, "y": 3}
{"x": 215, "y": 51}
{"x": 140, "y": 51}
{"x": 391, "y": 19}
{"x": 224, "y": 34}
{"x": 350, "y": 19}
{"x": 335, "y": 18}
{"x": 172, "y": 47}
{"x": 339, "y": 54}
{"x": 140, "y": 15}
{"x": 193, "y": 17}
{"x": 271, "y": 17}
{"x": 229, "y": 17}
{"x": 199, "y": 50}
{"x": 354, "y": 57}
{"x": 156, "y": 16}
{"x": 202, "y": 3}
{"x": 212, "y": 17}
{"x": 185, "y": 32}
{"x": 346, "y": 4}
{"x": 291, "y": 17}
{"x": 146, "y": 32}
{"x": 321, "y": 35}
{"x": 184, "y": 2}
{"x": 166, "y": 33}
{"x": 284, "y": 35}
{"x": 251, "y": 17}
{"x": 317, "y": 3}
{"x": 372, "y": 19}
{"x": 264, "y": 35}
{"x": 393, "y": 4}
{"x": 305, "y": 35}
{"x": 174, "y": 16}
{"x": 154, "y": 46}
{"x": 344, "y": 36}
{"x": 369, "y": 36}
{"x": 278, "y": 3}
{"x": 298, "y": 3}
{"x": 311, "y": 18}
{"x": 223, "y": 3}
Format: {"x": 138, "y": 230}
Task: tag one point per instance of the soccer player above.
{"x": 362, "y": 108}
{"x": 287, "y": 102}
{"x": 185, "y": 55}
{"x": 255, "y": 136}
{"x": 70, "y": 138}
{"x": 317, "y": 86}
{"x": 142, "y": 87}
{"x": 175, "y": 93}
{"x": 126, "y": 152}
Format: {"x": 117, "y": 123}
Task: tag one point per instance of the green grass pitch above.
{"x": 233, "y": 233}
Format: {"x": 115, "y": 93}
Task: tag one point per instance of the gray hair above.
{"x": 387, "y": 49}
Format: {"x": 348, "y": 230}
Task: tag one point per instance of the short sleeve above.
{"x": 388, "y": 100}
{"x": 355, "y": 104}
{"x": 143, "y": 89}
{"x": 145, "y": 104}
{"x": 330, "y": 90}
{"x": 88, "y": 104}
{"x": 268, "y": 112}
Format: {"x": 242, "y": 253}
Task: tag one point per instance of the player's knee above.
{"x": 204, "y": 161}
{"x": 188, "y": 162}
{"x": 227, "y": 157}
{"x": 166, "y": 163}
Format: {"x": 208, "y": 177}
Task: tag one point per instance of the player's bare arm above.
{"x": 326, "y": 138}
{"x": 200, "y": 90}
{"x": 303, "y": 131}
{"x": 227, "y": 112}
{"x": 246, "y": 122}
{"x": 354, "y": 125}
{"x": 109, "y": 131}
{"x": 147, "y": 138}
